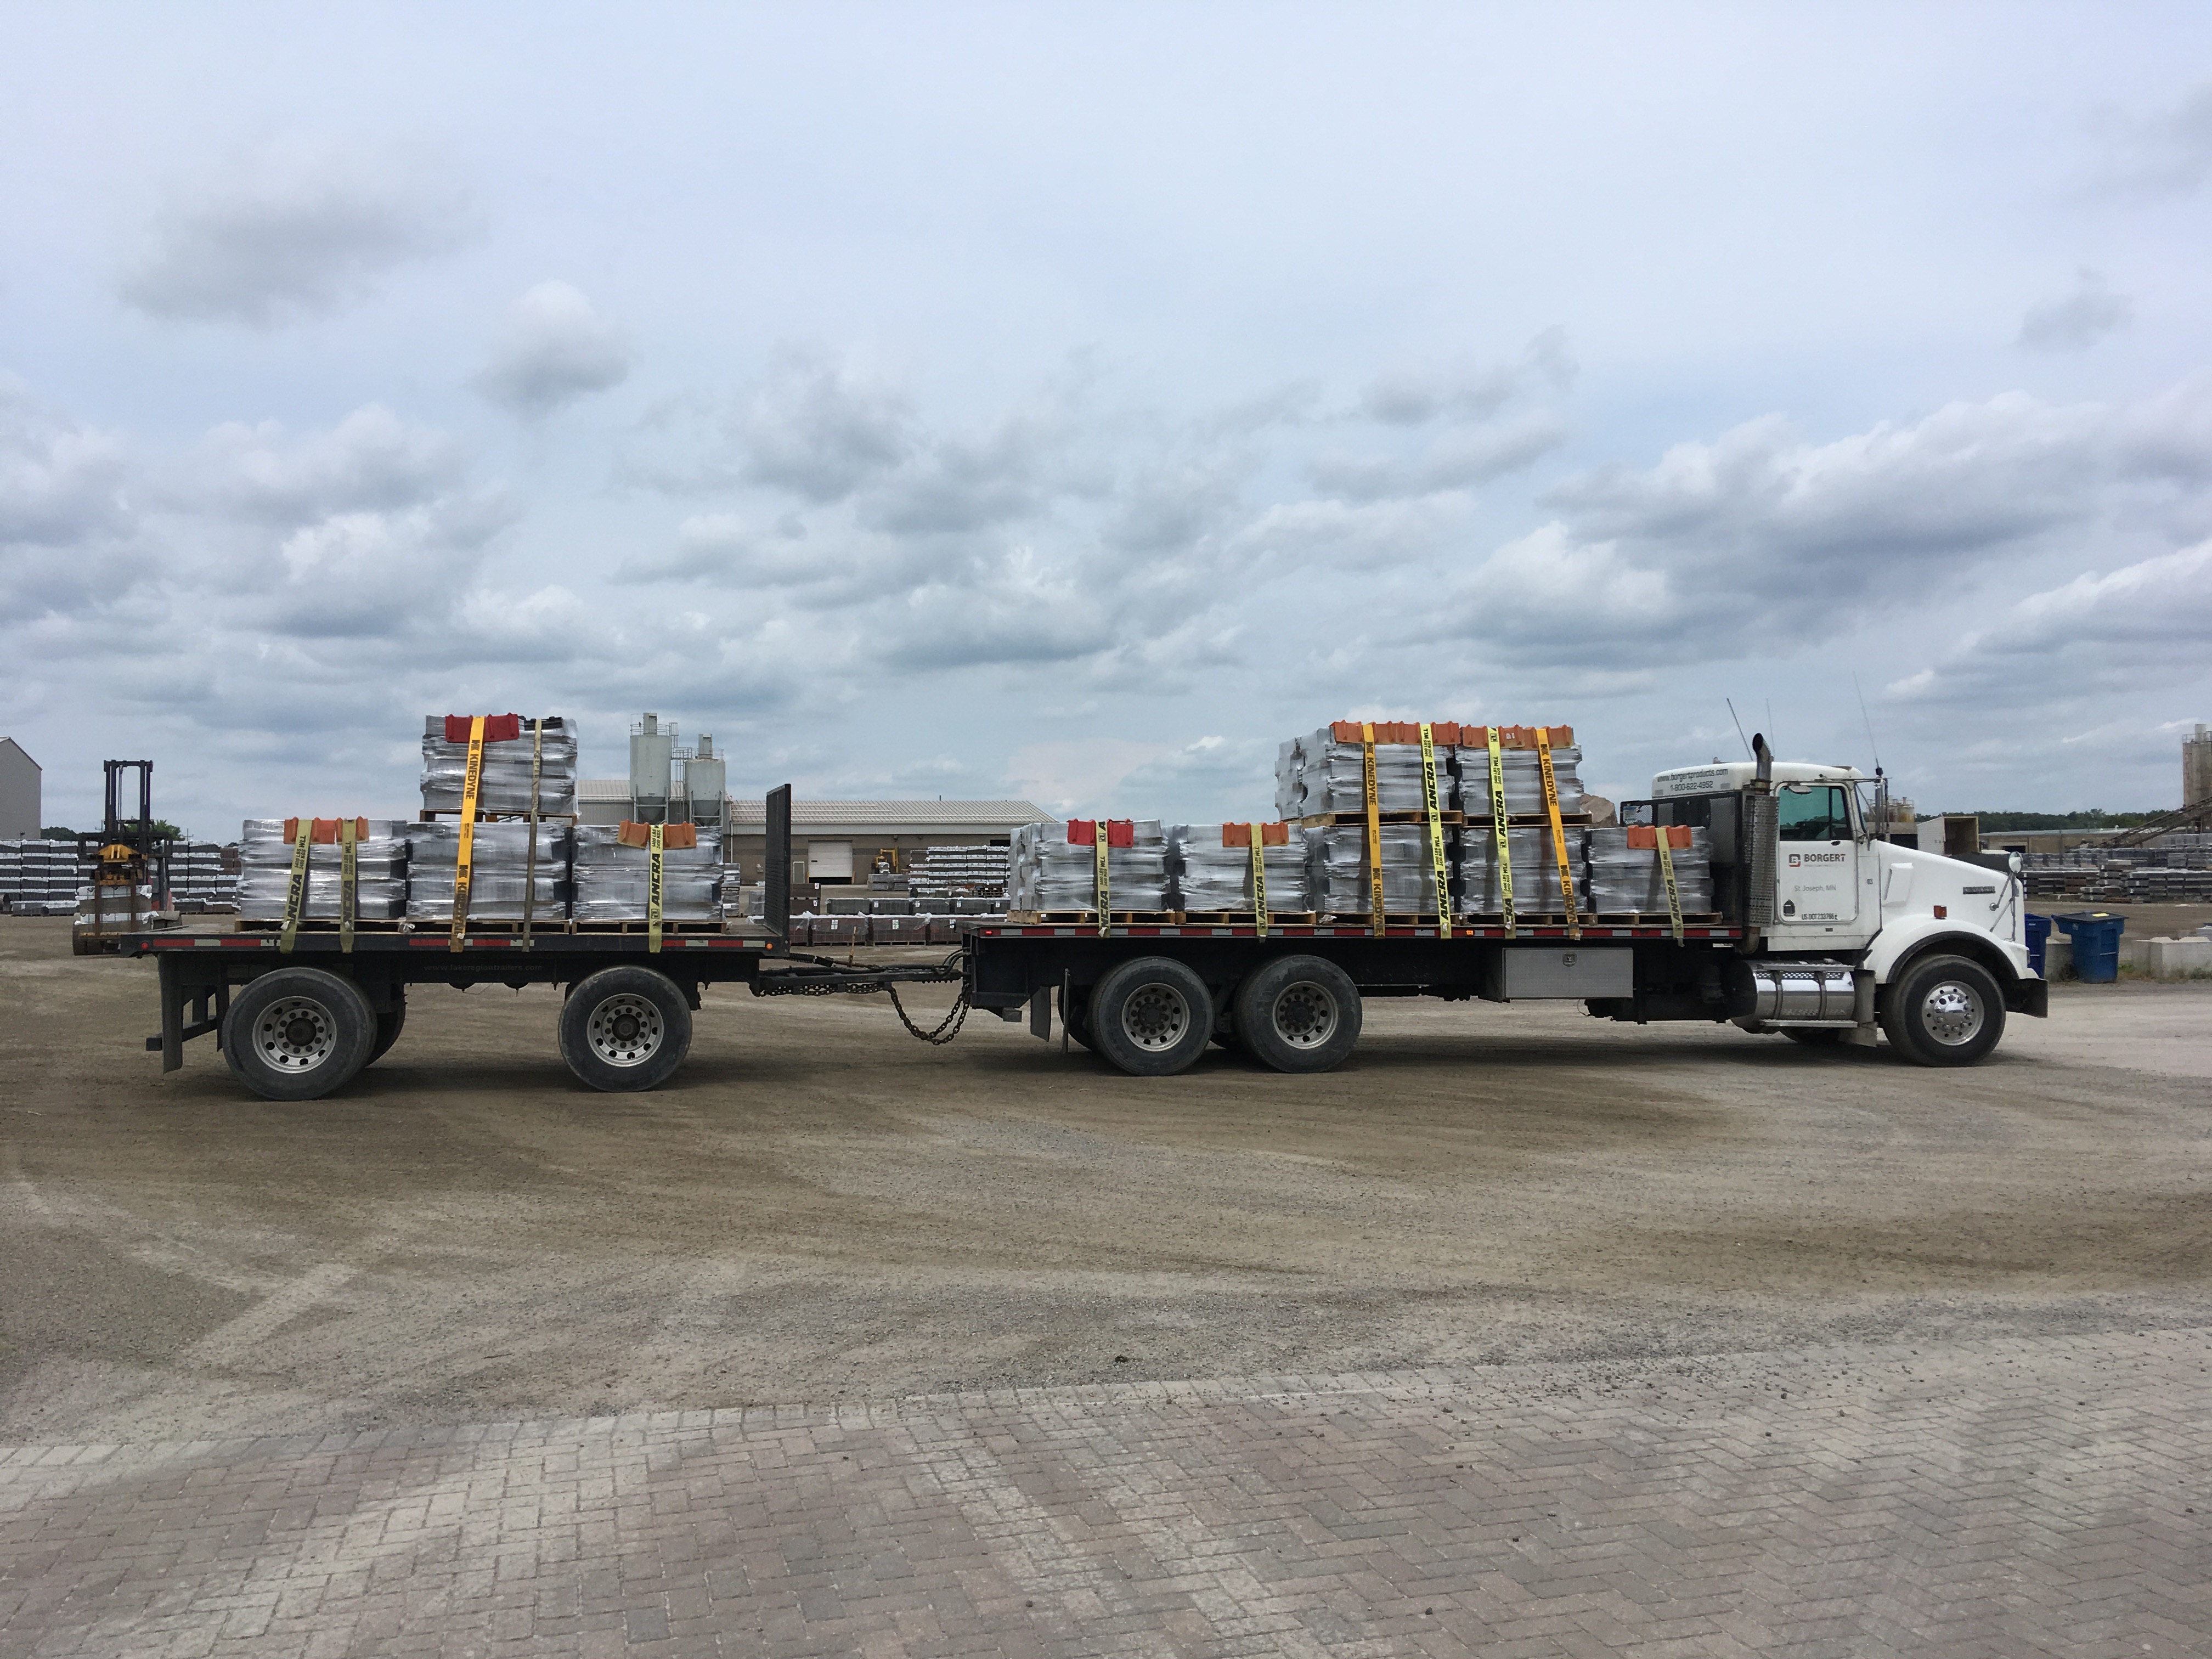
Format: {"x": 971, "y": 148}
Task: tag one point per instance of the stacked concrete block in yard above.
{"x": 40, "y": 878}
{"x": 509, "y": 742}
{"x": 265, "y": 877}
{"x": 199, "y": 884}
{"x": 1626, "y": 875}
{"x": 498, "y": 864}
{"x": 613, "y": 876}
{"x": 1053, "y": 867}
{"x": 935, "y": 873}
{"x": 1214, "y": 868}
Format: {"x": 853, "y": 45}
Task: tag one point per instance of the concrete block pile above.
{"x": 498, "y": 863}
{"x": 1214, "y": 869}
{"x": 381, "y": 864}
{"x": 1053, "y": 866}
{"x": 1338, "y": 870}
{"x": 613, "y": 874}
{"x": 40, "y": 878}
{"x": 509, "y": 741}
{"x": 1625, "y": 872}
{"x": 1539, "y": 883}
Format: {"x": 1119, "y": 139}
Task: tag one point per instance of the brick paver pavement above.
{"x": 1989, "y": 1497}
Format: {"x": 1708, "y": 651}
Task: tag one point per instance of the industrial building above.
{"x": 21, "y": 791}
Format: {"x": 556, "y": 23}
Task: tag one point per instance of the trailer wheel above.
{"x": 1944, "y": 1010}
{"x": 1151, "y": 1018}
{"x": 297, "y": 1034}
{"x": 1298, "y": 1014}
{"x": 625, "y": 1029}
{"x": 388, "y": 1027}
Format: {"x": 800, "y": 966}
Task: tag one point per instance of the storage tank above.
{"x": 652, "y": 756}
{"x": 706, "y": 780}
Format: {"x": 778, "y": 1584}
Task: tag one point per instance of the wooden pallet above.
{"x": 1250, "y": 918}
{"x": 637, "y": 927}
{"x": 431, "y": 815}
{"x": 1450, "y": 820}
{"x": 325, "y": 925}
{"x": 1090, "y": 918}
{"x": 1543, "y": 820}
{"x": 1390, "y": 918}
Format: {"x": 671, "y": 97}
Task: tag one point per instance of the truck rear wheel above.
{"x": 297, "y": 1034}
{"x": 625, "y": 1029}
{"x": 1298, "y": 1014}
{"x": 1944, "y": 1010}
{"x": 1151, "y": 1018}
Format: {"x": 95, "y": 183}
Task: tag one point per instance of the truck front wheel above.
{"x": 1151, "y": 1018}
{"x": 1298, "y": 1014}
{"x": 1944, "y": 1010}
{"x": 297, "y": 1034}
{"x": 625, "y": 1029}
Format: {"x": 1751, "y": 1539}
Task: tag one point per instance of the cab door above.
{"x": 1816, "y": 866}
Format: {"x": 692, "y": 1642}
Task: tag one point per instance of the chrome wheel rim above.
{"x": 626, "y": 1030}
{"x": 1155, "y": 1018}
{"x": 295, "y": 1035}
{"x": 1305, "y": 1015}
{"x": 1951, "y": 1013}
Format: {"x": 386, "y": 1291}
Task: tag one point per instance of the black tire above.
{"x": 625, "y": 1029}
{"x": 1944, "y": 1010}
{"x": 1298, "y": 1014}
{"x": 1816, "y": 1036}
{"x": 297, "y": 1034}
{"x": 1151, "y": 1018}
{"x": 388, "y": 1027}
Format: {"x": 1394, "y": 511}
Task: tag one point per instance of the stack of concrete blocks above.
{"x": 380, "y": 859}
{"x": 1325, "y": 771}
{"x": 498, "y": 866}
{"x": 106, "y": 909}
{"x": 939, "y": 873}
{"x": 1214, "y": 868}
{"x": 612, "y": 878}
{"x": 505, "y": 786}
{"x": 1051, "y": 870}
{"x": 1338, "y": 870}
{"x": 1624, "y": 873}
{"x": 1524, "y": 775}
{"x": 40, "y": 878}
{"x": 198, "y": 885}
{"x": 1539, "y": 883}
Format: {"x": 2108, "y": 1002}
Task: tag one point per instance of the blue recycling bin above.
{"x": 2096, "y": 936}
{"x": 2038, "y": 930}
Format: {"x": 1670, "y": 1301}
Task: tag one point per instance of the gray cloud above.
{"x": 556, "y": 349}
{"x": 372, "y": 460}
{"x": 292, "y": 232}
{"x": 61, "y": 482}
{"x": 820, "y": 431}
{"x": 1458, "y": 460}
{"x": 2166, "y": 155}
{"x": 2077, "y": 321}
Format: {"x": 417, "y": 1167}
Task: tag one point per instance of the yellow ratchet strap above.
{"x": 653, "y": 891}
{"x": 295, "y": 895}
{"x": 1666, "y": 870}
{"x": 1498, "y": 826}
{"x": 530, "y": 858}
{"x": 1374, "y": 829}
{"x": 1102, "y": 889}
{"x": 1435, "y": 831}
{"x": 471, "y": 785}
{"x": 1258, "y": 881}
{"x": 1558, "y": 832}
{"x": 348, "y": 869}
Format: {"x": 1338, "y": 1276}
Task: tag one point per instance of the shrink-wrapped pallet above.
{"x": 1338, "y": 869}
{"x": 1051, "y": 872}
{"x": 1326, "y": 771}
{"x": 1627, "y": 878}
{"x": 498, "y": 865}
{"x": 380, "y": 859}
{"x": 1537, "y": 885}
{"x": 1216, "y": 876}
{"x": 1524, "y": 777}
{"x": 505, "y": 786}
{"x": 612, "y": 878}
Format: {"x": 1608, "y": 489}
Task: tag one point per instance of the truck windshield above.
{"x": 1813, "y": 812}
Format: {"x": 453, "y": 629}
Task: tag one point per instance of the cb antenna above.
{"x": 1871, "y": 745}
{"x": 1730, "y": 701}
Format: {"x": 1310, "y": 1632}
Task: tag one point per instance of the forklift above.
{"x": 126, "y": 855}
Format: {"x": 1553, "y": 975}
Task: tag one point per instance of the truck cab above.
{"x": 1815, "y": 886}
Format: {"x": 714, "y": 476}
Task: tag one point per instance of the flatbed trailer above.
{"x": 1821, "y": 933}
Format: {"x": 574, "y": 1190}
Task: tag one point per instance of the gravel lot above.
{"x": 819, "y": 1208}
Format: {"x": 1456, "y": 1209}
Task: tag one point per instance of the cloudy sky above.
{"x": 1074, "y": 402}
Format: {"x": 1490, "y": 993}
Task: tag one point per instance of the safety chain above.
{"x": 945, "y": 1033}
